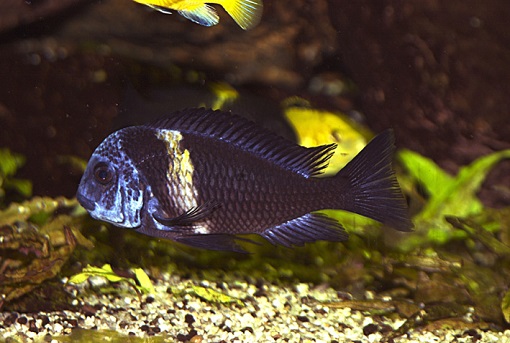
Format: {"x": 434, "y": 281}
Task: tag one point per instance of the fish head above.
{"x": 110, "y": 189}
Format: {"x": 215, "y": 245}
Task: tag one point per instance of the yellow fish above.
{"x": 316, "y": 127}
{"x": 246, "y": 13}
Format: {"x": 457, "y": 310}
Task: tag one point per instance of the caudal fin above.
{"x": 246, "y": 13}
{"x": 373, "y": 190}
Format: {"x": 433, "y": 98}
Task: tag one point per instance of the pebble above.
{"x": 282, "y": 314}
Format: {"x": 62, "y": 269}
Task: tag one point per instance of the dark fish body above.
{"x": 200, "y": 177}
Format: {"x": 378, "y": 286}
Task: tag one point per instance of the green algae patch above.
{"x": 110, "y": 336}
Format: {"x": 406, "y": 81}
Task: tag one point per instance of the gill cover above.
{"x": 110, "y": 189}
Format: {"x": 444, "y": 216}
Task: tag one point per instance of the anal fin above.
{"x": 308, "y": 228}
{"x": 204, "y": 15}
{"x": 160, "y": 9}
{"x": 214, "y": 242}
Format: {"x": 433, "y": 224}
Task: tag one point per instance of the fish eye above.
{"x": 103, "y": 173}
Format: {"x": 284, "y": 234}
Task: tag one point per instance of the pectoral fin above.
{"x": 204, "y": 15}
{"x": 191, "y": 216}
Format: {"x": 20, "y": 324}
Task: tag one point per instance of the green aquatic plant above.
{"x": 144, "y": 284}
{"x": 207, "y": 294}
{"x": 447, "y": 196}
{"x": 505, "y": 306}
{"x": 9, "y": 165}
{"x": 36, "y": 207}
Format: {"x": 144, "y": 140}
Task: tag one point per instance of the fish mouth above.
{"x": 87, "y": 204}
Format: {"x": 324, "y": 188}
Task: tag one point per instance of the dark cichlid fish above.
{"x": 199, "y": 177}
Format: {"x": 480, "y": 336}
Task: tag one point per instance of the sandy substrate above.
{"x": 266, "y": 313}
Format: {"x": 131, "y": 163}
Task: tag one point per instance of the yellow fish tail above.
{"x": 246, "y": 13}
{"x": 204, "y": 15}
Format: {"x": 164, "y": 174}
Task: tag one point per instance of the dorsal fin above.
{"x": 249, "y": 137}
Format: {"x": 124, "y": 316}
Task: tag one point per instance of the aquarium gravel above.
{"x": 266, "y": 313}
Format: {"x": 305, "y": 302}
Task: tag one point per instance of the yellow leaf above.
{"x": 144, "y": 280}
{"x": 211, "y": 295}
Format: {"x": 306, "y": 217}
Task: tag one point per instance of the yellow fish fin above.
{"x": 204, "y": 15}
{"x": 246, "y": 13}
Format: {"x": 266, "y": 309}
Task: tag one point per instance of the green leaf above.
{"x": 470, "y": 179}
{"x": 23, "y": 187}
{"x": 9, "y": 165}
{"x": 105, "y": 271}
{"x": 73, "y": 161}
{"x": 455, "y": 196}
{"x": 505, "y": 306}
{"x": 352, "y": 222}
{"x": 211, "y": 295}
{"x": 427, "y": 171}
{"x": 10, "y": 162}
{"x": 144, "y": 281}
{"x": 480, "y": 233}
{"x": 79, "y": 278}
{"x": 33, "y": 207}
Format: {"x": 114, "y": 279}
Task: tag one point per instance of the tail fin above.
{"x": 246, "y": 13}
{"x": 373, "y": 190}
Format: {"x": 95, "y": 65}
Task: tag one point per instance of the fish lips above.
{"x": 87, "y": 204}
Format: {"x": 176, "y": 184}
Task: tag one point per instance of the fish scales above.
{"x": 255, "y": 193}
{"x": 201, "y": 177}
